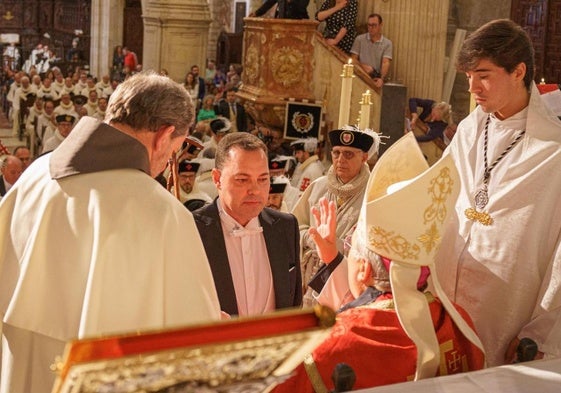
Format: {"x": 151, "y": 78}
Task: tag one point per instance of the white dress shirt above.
{"x": 249, "y": 264}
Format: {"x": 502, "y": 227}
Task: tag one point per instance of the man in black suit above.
{"x": 253, "y": 251}
{"x": 233, "y": 110}
{"x": 202, "y": 88}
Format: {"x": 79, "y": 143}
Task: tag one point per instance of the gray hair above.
{"x": 359, "y": 249}
{"x": 150, "y": 101}
{"x": 446, "y": 111}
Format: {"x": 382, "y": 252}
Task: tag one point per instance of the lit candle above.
{"x": 346, "y": 89}
{"x": 365, "y": 103}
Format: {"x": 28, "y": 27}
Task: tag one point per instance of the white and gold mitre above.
{"x": 406, "y": 208}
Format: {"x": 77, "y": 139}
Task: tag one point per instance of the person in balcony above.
{"x": 286, "y": 9}
{"x": 340, "y": 22}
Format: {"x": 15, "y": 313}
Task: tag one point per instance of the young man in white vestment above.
{"x": 82, "y": 254}
{"x": 501, "y": 260}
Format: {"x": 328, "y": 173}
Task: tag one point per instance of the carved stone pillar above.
{"x": 278, "y": 64}
{"x": 221, "y": 15}
{"x": 106, "y": 33}
{"x": 175, "y": 35}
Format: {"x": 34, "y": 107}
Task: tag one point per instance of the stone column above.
{"x": 106, "y": 32}
{"x": 175, "y": 35}
{"x": 221, "y": 15}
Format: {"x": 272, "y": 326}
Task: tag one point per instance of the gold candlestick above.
{"x": 365, "y": 103}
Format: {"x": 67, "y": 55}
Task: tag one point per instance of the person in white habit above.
{"x": 309, "y": 167}
{"x": 81, "y": 254}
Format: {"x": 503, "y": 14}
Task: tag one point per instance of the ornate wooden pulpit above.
{"x": 278, "y": 65}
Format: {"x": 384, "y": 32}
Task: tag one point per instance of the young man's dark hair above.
{"x": 504, "y": 43}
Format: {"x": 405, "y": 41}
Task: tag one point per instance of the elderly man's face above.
{"x": 243, "y": 183}
{"x": 347, "y": 162}
{"x": 12, "y": 170}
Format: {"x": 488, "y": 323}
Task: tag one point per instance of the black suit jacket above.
{"x": 2, "y": 186}
{"x": 223, "y": 109}
{"x": 283, "y": 244}
{"x": 287, "y": 9}
{"x": 202, "y": 89}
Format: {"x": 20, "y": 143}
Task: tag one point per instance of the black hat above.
{"x": 65, "y": 118}
{"x": 79, "y": 99}
{"x": 220, "y": 125}
{"x": 188, "y": 166}
{"x": 192, "y": 145}
{"x": 305, "y": 144}
{"x": 352, "y": 137}
{"x": 277, "y": 188}
{"x": 194, "y": 204}
{"x": 277, "y": 165}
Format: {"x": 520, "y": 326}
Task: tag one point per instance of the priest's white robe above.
{"x": 508, "y": 275}
{"x": 103, "y": 252}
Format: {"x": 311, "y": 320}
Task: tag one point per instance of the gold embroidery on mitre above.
{"x": 394, "y": 243}
{"x": 430, "y": 238}
{"x": 440, "y": 189}
{"x": 482, "y": 217}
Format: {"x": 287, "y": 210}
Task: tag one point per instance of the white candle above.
{"x": 346, "y": 89}
{"x": 364, "y": 121}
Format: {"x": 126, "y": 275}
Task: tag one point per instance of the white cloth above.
{"x": 508, "y": 275}
{"x": 92, "y": 254}
{"x": 53, "y": 142}
{"x": 194, "y": 194}
{"x": 249, "y": 264}
{"x": 306, "y": 172}
{"x": 204, "y": 180}
{"x": 79, "y": 87}
{"x": 58, "y": 87}
{"x": 542, "y": 376}
{"x": 45, "y": 127}
{"x": 62, "y": 109}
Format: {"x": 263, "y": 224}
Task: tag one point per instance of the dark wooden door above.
{"x": 542, "y": 20}
{"x": 133, "y": 28}
{"x": 552, "y": 63}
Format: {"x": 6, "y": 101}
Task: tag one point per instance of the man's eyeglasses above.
{"x": 372, "y": 24}
{"x": 346, "y": 153}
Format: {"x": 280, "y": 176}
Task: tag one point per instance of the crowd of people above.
{"x": 425, "y": 265}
